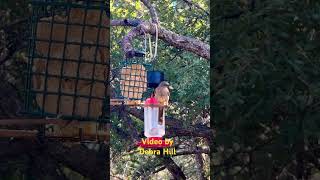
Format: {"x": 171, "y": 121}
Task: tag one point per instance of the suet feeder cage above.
{"x": 130, "y": 82}
{"x": 135, "y": 79}
{"x": 68, "y": 60}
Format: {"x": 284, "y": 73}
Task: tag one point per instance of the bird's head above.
{"x": 165, "y": 84}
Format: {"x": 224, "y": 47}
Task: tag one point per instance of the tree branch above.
{"x": 81, "y": 159}
{"x": 173, "y": 168}
{"x": 152, "y": 10}
{"x": 199, "y": 164}
{"x": 190, "y": 3}
{"x": 178, "y": 41}
{"x": 197, "y": 150}
{"x": 159, "y": 169}
{"x": 175, "y": 127}
{"x": 43, "y": 166}
{"x": 125, "y": 22}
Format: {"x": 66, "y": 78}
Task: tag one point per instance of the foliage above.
{"x": 187, "y": 73}
{"x": 266, "y": 88}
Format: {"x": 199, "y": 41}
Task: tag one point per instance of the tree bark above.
{"x": 152, "y": 10}
{"x": 175, "y": 127}
{"x": 178, "y": 41}
{"x": 199, "y": 162}
{"x": 174, "y": 169}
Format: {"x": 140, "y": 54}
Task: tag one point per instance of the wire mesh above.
{"x": 130, "y": 80}
{"x": 68, "y": 60}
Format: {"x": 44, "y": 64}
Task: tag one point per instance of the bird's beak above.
{"x": 170, "y": 87}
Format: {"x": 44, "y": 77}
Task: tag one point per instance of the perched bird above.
{"x": 162, "y": 94}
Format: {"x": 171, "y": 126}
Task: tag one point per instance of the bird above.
{"x": 162, "y": 94}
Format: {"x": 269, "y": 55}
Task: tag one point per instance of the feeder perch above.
{"x": 153, "y": 127}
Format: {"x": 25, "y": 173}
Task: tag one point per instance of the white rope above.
{"x": 156, "y": 46}
{"x": 150, "y": 46}
{"x": 145, "y": 46}
{"x": 151, "y": 56}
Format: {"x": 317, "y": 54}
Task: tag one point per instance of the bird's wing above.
{"x": 162, "y": 95}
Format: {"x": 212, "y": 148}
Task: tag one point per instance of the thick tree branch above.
{"x": 42, "y": 166}
{"x": 199, "y": 164}
{"x": 181, "y": 42}
{"x": 125, "y": 22}
{"x": 81, "y": 159}
{"x": 197, "y": 150}
{"x": 204, "y": 131}
{"x": 159, "y": 169}
{"x": 173, "y": 168}
{"x": 175, "y": 127}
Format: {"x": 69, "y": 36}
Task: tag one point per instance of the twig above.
{"x": 190, "y": 3}
{"x": 152, "y": 10}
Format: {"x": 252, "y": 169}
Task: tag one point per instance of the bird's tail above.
{"x": 161, "y": 115}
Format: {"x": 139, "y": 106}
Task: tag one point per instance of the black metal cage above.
{"x": 68, "y": 60}
{"x": 130, "y": 80}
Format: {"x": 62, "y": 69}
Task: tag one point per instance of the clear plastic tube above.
{"x": 152, "y": 127}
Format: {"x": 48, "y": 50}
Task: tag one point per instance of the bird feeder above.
{"x": 154, "y": 78}
{"x": 67, "y": 60}
{"x": 135, "y": 81}
{"x": 153, "y": 126}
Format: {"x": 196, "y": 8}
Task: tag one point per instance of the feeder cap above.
{"x": 151, "y": 100}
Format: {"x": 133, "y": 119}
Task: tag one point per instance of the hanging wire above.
{"x": 156, "y": 46}
{"x": 154, "y": 56}
{"x": 145, "y": 45}
{"x": 150, "y": 46}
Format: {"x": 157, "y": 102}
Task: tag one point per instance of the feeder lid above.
{"x": 151, "y": 100}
